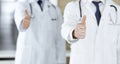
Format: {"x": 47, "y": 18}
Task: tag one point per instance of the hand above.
{"x": 80, "y": 29}
{"x": 26, "y": 20}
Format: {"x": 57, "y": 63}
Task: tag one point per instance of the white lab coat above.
{"x": 101, "y": 44}
{"x": 41, "y": 43}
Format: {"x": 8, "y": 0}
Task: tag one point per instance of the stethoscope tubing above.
{"x": 80, "y": 8}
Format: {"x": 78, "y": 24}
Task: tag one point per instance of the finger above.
{"x": 82, "y": 27}
{"x": 27, "y": 17}
{"x": 83, "y": 21}
{"x": 26, "y": 20}
{"x": 26, "y": 12}
{"x": 81, "y": 37}
{"x": 78, "y": 33}
{"x": 82, "y": 31}
{"x": 82, "y": 34}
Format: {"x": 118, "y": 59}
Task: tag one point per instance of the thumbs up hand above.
{"x": 26, "y": 20}
{"x": 80, "y": 29}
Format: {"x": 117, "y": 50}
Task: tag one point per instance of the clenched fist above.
{"x": 80, "y": 29}
{"x": 26, "y": 20}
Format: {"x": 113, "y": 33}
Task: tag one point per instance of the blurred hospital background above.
{"x": 8, "y": 30}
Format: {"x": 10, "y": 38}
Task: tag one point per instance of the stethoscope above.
{"x": 33, "y": 16}
{"x": 80, "y": 8}
{"x": 114, "y": 22}
{"x": 112, "y": 6}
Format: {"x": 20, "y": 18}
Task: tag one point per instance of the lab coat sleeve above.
{"x": 70, "y": 21}
{"x": 20, "y": 14}
{"x": 60, "y": 42}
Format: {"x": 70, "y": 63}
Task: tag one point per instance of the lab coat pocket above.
{"x": 52, "y": 13}
{"x": 110, "y": 34}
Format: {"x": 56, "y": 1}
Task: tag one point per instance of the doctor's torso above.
{"x": 43, "y": 26}
{"x": 100, "y": 43}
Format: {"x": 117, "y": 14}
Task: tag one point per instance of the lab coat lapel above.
{"x": 105, "y": 16}
{"x": 46, "y": 6}
{"x": 37, "y": 7}
{"x": 88, "y": 6}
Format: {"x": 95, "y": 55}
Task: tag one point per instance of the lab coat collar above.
{"x": 34, "y": 0}
{"x": 90, "y": 1}
{"x": 103, "y": 1}
{"x": 42, "y": 0}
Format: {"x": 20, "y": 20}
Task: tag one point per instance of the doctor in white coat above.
{"x": 39, "y": 40}
{"x": 92, "y": 42}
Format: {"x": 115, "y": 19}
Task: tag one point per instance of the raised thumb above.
{"x": 83, "y": 19}
{"x": 26, "y": 13}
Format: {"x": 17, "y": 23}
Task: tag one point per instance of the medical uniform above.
{"x": 101, "y": 44}
{"x": 41, "y": 43}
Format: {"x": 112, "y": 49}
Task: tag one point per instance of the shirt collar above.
{"x": 43, "y": 2}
